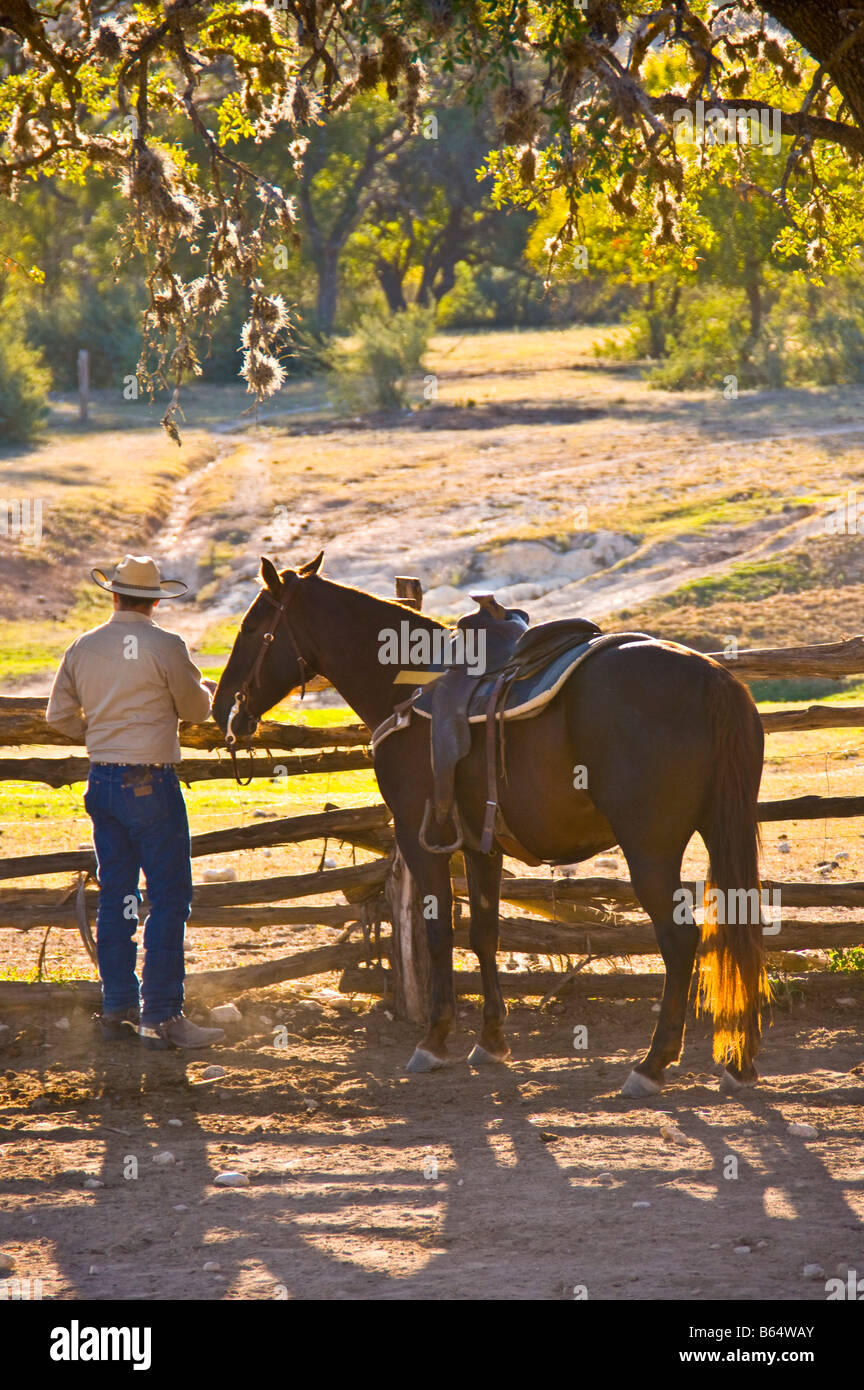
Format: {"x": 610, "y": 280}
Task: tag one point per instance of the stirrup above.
{"x": 441, "y": 849}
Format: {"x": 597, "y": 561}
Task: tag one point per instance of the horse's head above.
{"x": 268, "y": 659}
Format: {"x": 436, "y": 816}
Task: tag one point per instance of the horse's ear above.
{"x": 270, "y": 576}
{"x": 306, "y": 571}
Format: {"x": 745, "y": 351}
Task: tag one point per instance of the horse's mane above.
{"x": 391, "y": 606}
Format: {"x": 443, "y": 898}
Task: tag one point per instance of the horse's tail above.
{"x": 733, "y": 983}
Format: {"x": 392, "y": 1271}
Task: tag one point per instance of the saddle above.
{"x": 496, "y": 667}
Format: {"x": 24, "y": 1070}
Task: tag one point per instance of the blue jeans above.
{"x": 139, "y": 822}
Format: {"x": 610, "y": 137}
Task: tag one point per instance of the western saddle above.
{"x": 519, "y": 670}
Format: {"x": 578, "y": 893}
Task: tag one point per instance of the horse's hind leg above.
{"x": 484, "y": 884}
{"x": 655, "y": 881}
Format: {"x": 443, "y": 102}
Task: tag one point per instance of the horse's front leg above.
{"x": 431, "y": 874}
{"x": 484, "y": 886}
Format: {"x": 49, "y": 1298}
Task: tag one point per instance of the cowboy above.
{"x": 124, "y": 686}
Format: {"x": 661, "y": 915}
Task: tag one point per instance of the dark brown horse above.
{"x": 671, "y": 743}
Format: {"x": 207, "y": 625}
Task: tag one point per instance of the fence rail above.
{"x": 574, "y": 917}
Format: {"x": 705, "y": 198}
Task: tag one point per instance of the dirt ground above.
{"x": 532, "y": 1181}
{"x": 529, "y": 1182}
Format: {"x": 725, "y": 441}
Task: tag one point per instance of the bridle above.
{"x": 241, "y": 699}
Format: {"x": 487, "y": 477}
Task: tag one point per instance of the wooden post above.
{"x": 409, "y": 953}
{"x": 83, "y": 384}
{"x": 409, "y": 591}
{"x": 408, "y": 948}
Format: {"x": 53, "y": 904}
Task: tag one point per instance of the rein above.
{"x": 241, "y": 699}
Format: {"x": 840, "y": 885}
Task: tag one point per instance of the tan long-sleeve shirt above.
{"x": 123, "y": 687}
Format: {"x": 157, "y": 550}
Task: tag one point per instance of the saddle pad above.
{"x": 528, "y": 696}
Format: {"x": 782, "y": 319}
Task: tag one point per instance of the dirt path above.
{"x": 524, "y": 1183}
{"x": 369, "y": 549}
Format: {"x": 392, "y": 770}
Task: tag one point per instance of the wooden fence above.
{"x": 567, "y": 917}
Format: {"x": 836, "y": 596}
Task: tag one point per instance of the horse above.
{"x": 669, "y": 744}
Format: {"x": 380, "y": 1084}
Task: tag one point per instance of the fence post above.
{"x": 409, "y": 591}
{"x": 409, "y": 951}
{"x": 83, "y": 383}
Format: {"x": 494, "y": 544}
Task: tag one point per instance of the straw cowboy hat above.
{"x": 138, "y": 577}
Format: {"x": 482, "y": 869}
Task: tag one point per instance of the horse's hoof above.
{"x": 479, "y": 1057}
{"x": 638, "y": 1085}
{"x": 731, "y": 1085}
{"x": 422, "y": 1061}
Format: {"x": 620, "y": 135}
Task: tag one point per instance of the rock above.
{"x": 673, "y": 1135}
{"x": 640, "y": 1205}
{"x": 261, "y": 814}
{"x": 784, "y": 847}
{"x": 226, "y": 875}
{"x": 802, "y": 1131}
{"x": 212, "y": 1073}
{"x": 606, "y": 861}
{"x": 265, "y": 1021}
{"x": 514, "y": 562}
{"x": 447, "y": 601}
{"x": 93, "y": 1183}
{"x": 655, "y": 1008}
{"x": 7, "y": 1263}
{"x": 176, "y": 1124}
{"x": 813, "y": 1271}
{"x": 181, "y": 1206}
{"x": 846, "y": 1002}
{"x": 94, "y": 1269}
{"x": 330, "y": 862}
{"x": 743, "y": 1250}
{"x": 517, "y": 595}
{"x": 62, "y": 1023}
{"x": 212, "y": 1267}
{"x": 225, "y": 1013}
{"x": 310, "y": 1105}
{"x": 4, "y": 1028}
{"x": 608, "y": 547}
{"x": 164, "y": 1159}
{"x": 231, "y": 1180}
{"x": 841, "y": 854}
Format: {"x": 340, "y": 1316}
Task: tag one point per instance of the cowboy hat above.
{"x": 138, "y": 577}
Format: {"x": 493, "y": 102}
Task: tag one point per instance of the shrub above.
{"x": 389, "y": 350}
{"x": 848, "y": 960}
{"x": 705, "y": 346}
{"x": 24, "y": 385}
{"x": 822, "y": 330}
{"x": 103, "y": 319}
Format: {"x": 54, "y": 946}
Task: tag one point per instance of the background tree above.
{"x": 583, "y": 100}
